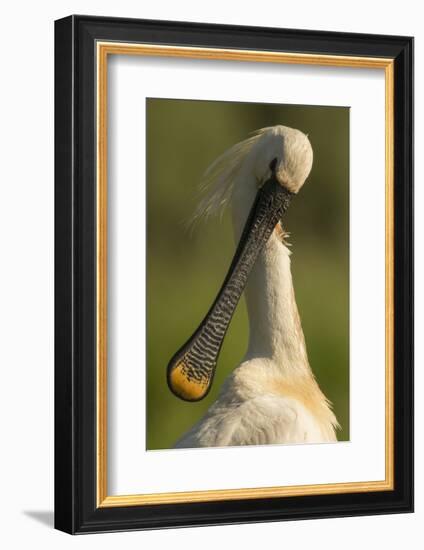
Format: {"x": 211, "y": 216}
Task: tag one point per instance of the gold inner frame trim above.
{"x": 104, "y": 49}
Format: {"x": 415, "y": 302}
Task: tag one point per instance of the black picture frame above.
{"x": 76, "y": 509}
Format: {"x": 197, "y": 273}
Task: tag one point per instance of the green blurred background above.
{"x": 186, "y": 268}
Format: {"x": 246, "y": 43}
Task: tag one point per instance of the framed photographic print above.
{"x": 234, "y": 271}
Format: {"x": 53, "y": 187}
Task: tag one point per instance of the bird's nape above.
{"x": 191, "y": 370}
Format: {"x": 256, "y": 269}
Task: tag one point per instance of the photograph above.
{"x": 233, "y": 267}
{"x": 209, "y": 255}
{"x": 247, "y": 274}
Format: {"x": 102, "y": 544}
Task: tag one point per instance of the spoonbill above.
{"x": 272, "y": 397}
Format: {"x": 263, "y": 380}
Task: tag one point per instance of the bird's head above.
{"x": 283, "y": 152}
{"x": 279, "y": 151}
{"x": 267, "y": 170}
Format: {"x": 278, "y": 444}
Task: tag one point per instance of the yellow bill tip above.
{"x": 184, "y": 387}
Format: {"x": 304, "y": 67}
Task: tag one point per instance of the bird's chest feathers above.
{"x": 264, "y": 379}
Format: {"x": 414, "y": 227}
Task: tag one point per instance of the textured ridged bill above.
{"x": 191, "y": 370}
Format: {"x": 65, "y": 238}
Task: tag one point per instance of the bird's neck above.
{"x": 275, "y": 329}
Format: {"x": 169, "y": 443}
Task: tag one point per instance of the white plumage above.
{"x": 272, "y": 396}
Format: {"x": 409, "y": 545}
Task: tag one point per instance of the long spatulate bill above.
{"x": 191, "y": 370}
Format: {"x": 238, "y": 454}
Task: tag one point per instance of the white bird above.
{"x": 272, "y": 397}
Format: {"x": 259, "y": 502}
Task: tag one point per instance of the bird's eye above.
{"x": 273, "y": 164}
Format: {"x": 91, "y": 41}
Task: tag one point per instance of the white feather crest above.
{"x": 217, "y": 182}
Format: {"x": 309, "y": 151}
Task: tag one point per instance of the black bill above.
{"x": 191, "y": 370}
